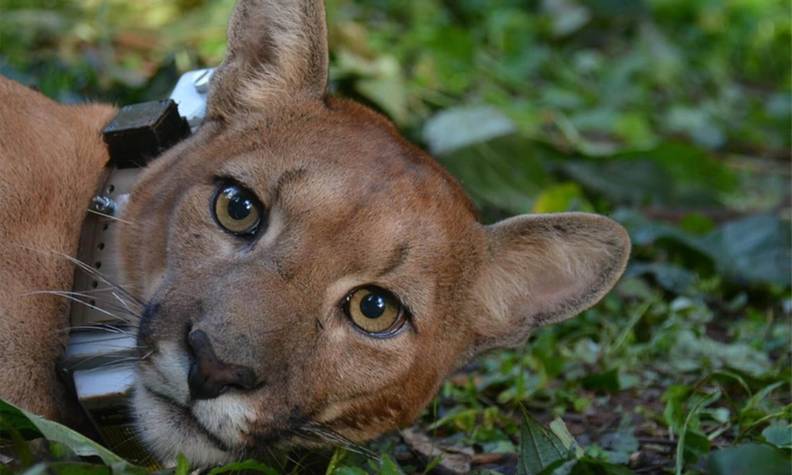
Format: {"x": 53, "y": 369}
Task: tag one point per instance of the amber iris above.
{"x": 237, "y": 210}
{"x": 374, "y": 310}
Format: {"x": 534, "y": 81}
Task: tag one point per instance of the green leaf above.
{"x": 779, "y": 434}
{"x": 697, "y": 123}
{"x": 539, "y": 447}
{"x": 451, "y": 49}
{"x": 590, "y": 466}
{"x": 691, "y": 353}
{"x": 566, "y": 16}
{"x": 560, "y": 430}
{"x": 607, "y": 381}
{"x": 696, "y": 445}
{"x": 757, "y": 407}
{"x": 182, "y": 465}
{"x": 674, "y": 412}
{"x": 68, "y": 468}
{"x": 629, "y": 182}
{"x": 244, "y": 466}
{"x": 559, "y": 467}
{"x": 76, "y": 442}
{"x": 755, "y": 249}
{"x": 684, "y": 432}
{"x": 749, "y": 459}
{"x": 561, "y": 197}
{"x": 670, "y": 174}
{"x": 463, "y": 126}
{"x": 388, "y": 93}
{"x": 12, "y": 419}
{"x": 388, "y": 466}
{"x": 349, "y": 471}
{"x": 380, "y": 80}
{"x": 506, "y": 173}
{"x": 671, "y": 277}
{"x": 338, "y": 455}
{"x": 15, "y": 443}
{"x": 620, "y": 445}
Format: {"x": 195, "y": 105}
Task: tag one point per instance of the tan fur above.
{"x": 349, "y": 203}
{"x": 51, "y": 157}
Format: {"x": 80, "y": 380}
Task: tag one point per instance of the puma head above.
{"x": 309, "y": 275}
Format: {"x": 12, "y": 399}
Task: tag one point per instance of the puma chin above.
{"x": 309, "y": 276}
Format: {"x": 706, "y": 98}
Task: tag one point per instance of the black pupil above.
{"x": 373, "y": 305}
{"x": 239, "y": 205}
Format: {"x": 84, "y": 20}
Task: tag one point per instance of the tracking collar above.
{"x": 98, "y": 363}
{"x": 134, "y": 137}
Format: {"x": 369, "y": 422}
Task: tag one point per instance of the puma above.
{"x": 304, "y": 274}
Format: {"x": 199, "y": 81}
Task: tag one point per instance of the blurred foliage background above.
{"x": 672, "y": 116}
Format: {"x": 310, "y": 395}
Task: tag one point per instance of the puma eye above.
{"x": 374, "y": 310}
{"x": 237, "y": 210}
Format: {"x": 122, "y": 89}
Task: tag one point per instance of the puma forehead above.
{"x": 309, "y": 276}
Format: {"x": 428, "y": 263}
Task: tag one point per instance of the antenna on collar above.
{"x": 141, "y": 132}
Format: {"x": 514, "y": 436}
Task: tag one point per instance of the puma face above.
{"x": 301, "y": 270}
{"x": 309, "y": 276}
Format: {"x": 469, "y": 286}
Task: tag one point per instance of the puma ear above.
{"x": 277, "y": 51}
{"x": 542, "y": 269}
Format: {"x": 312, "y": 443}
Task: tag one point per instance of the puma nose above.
{"x": 209, "y": 376}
